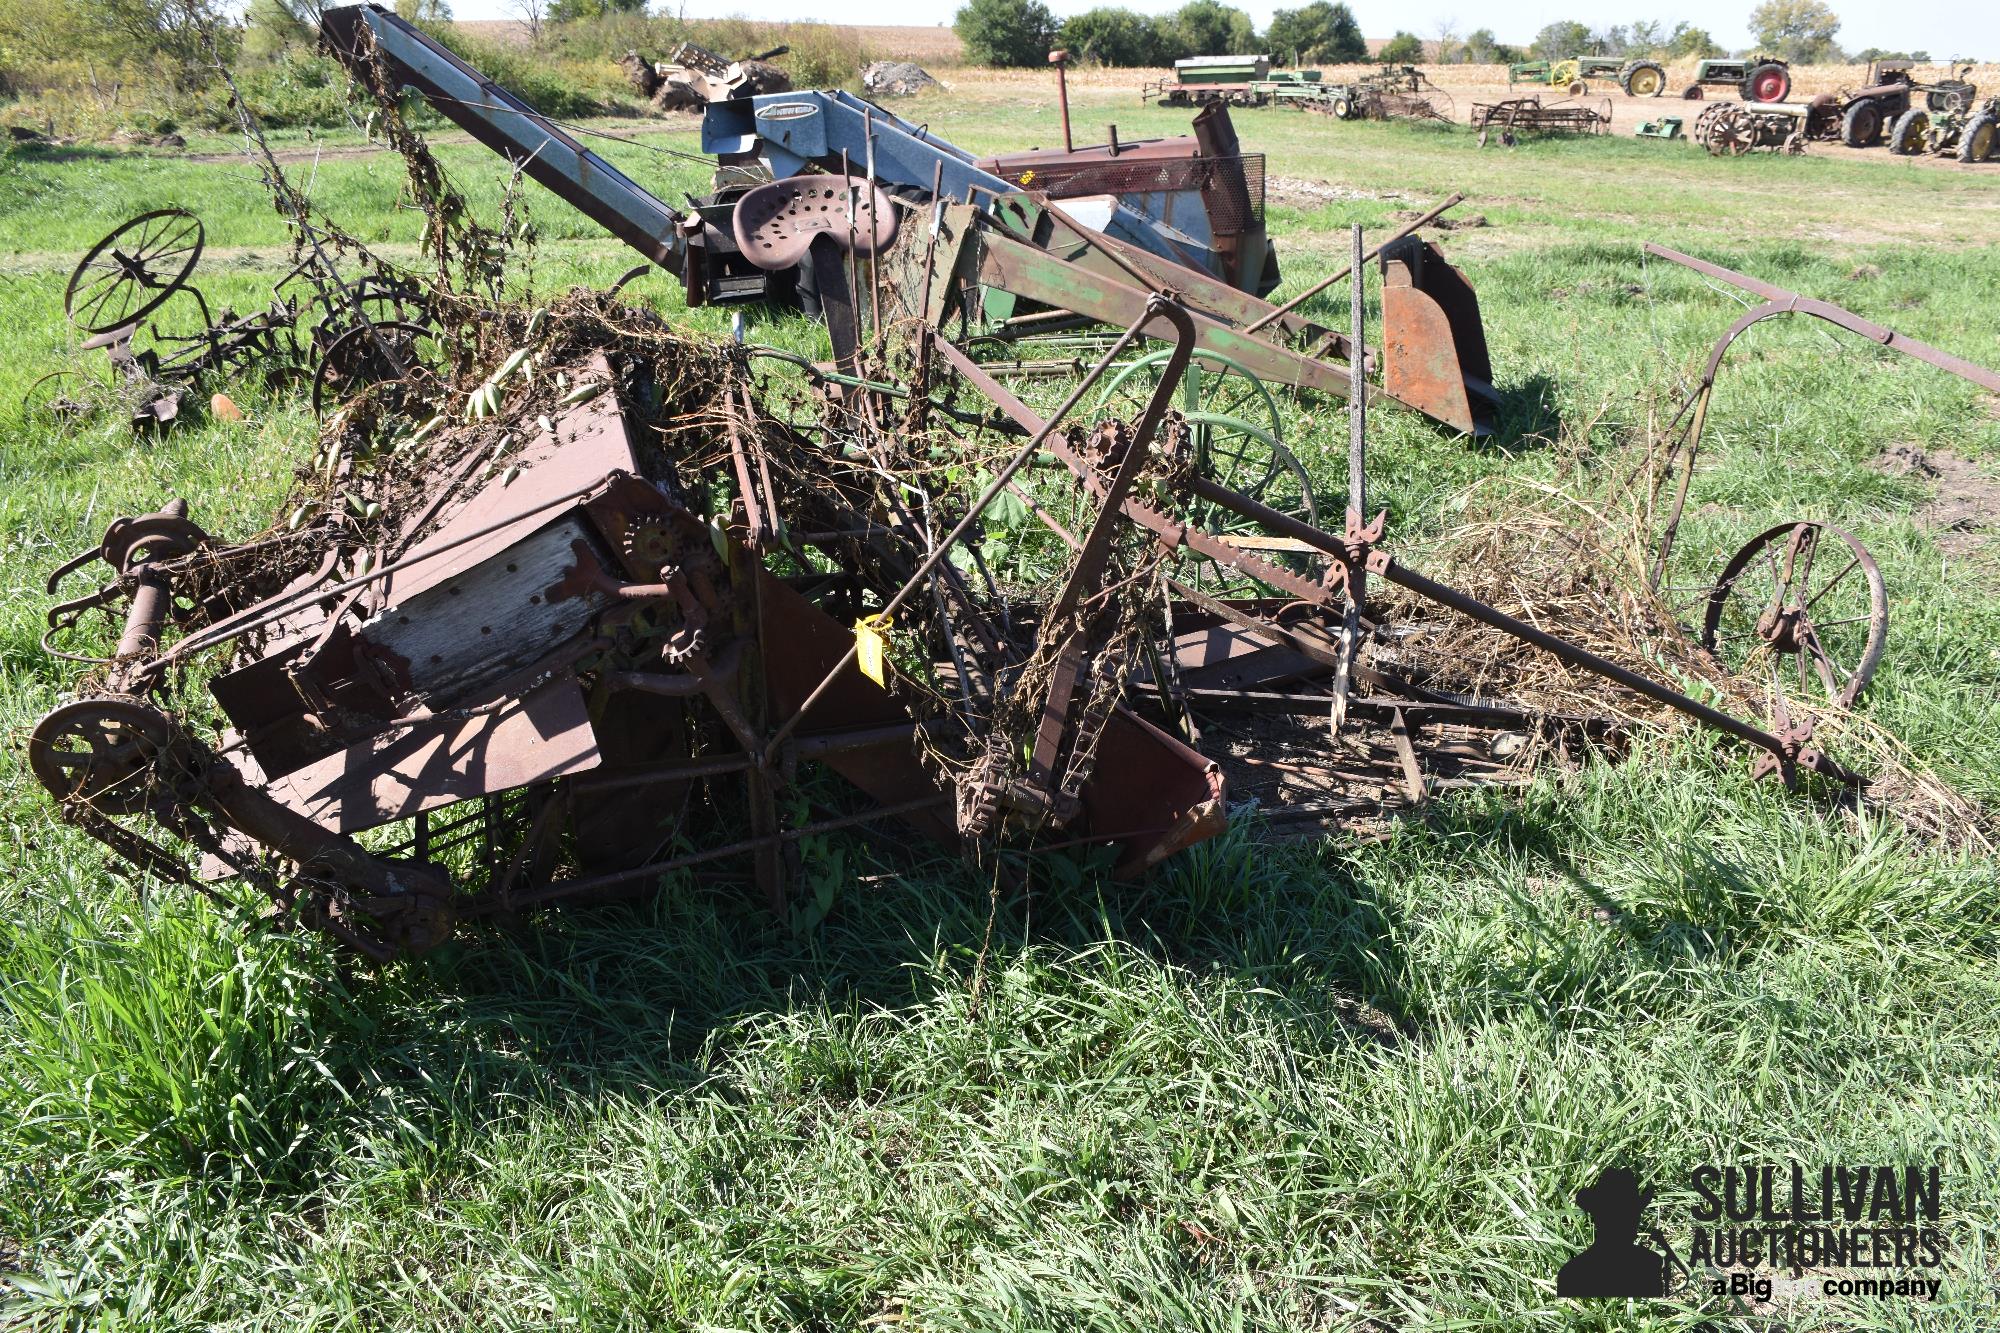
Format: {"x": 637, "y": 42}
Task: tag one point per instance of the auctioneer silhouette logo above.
{"x": 1615, "y": 1263}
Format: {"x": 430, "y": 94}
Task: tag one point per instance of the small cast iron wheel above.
{"x": 1907, "y": 138}
{"x": 1692, "y": 93}
{"x": 100, "y": 753}
{"x": 1767, "y": 83}
{"x": 1795, "y": 143}
{"x": 1644, "y": 79}
{"x": 61, "y": 399}
{"x": 129, "y": 273}
{"x": 378, "y": 300}
{"x": 1577, "y": 88}
{"x": 1980, "y": 140}
{"x": 371, "y": 354}
{"x": 1809, "y": 592}
{"x": 1862, "y": 125}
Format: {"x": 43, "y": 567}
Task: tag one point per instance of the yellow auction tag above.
{"x": 871, "y": 648}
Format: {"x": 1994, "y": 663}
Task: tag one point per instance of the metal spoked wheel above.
{"x": 370, "y": 299}
{"x": 1213, "y": 383}
{"x": 1807, "y": 592}
{"x": 1245, "y": 458}
{"x": 1724, "y": 131}
{"x": 62, "y": 399}
{"x": 102, "y": 753}
{"x": 128, "y": 274}
{"x": 1238, "y": 429}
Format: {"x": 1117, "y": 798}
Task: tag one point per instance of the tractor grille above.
{"x": 1230, "y": 212}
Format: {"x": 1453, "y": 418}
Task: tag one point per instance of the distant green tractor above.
{"x": 1971, "y": 133}
{"x": 1758, "y": 79}
{"x": 1638, "y": 78}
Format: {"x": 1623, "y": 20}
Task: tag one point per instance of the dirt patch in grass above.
{"x": 1964, "y": 508}
{"x": 1295, "y": 192}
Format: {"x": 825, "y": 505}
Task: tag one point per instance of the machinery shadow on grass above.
{"x": 50, "y": 151}
{"x": 634, "y": 999}
{"x": 1528, "y": 419}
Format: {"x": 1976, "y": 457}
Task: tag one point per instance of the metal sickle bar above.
{"x": 1782, "y": 301}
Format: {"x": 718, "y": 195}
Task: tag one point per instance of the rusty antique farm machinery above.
{"x": 581, "y": 602}
{"x": 1802, "y": 599}
{"x": 611, "y": 604}
{"x": 1517, "y": 116}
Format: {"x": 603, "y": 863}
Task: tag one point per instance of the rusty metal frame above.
{"x": 1787, "y": 752}
{"x": 1778, "y": 301}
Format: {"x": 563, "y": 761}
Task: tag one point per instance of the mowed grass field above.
{"x": 1327, "y": 1085}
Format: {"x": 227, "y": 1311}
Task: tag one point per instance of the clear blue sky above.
{"x": 1943, "y": 29}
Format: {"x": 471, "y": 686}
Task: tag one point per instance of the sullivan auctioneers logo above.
{"x": 1880, "y": 1219}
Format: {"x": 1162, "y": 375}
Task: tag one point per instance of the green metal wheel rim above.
{"x": 1193, "y": 397}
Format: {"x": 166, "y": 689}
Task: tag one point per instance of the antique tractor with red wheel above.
{"x": 1758, "y": 79}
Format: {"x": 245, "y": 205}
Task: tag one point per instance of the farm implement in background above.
{"x": 1970, "y": 133}
{"x": 1757, "y": 79}
{"x": 134, "y": 299}
{"x": 1951, "y": 122}
{"x": 1395, "y": 92}
{"x": 1729, "y": 129}
{"x": 1636, "y": 78}
{"x": 1202, "y": 80}
{"x": 1886, "y": 107}
{"x": 1517, "y": 116}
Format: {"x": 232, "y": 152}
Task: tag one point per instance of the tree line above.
{"x": 1022, "y": 32}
